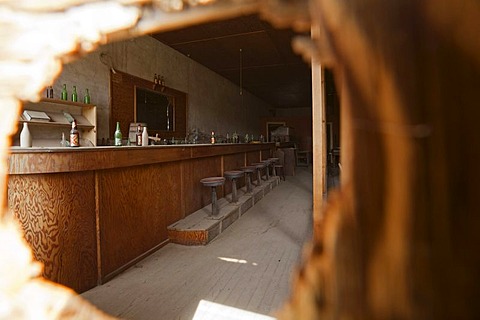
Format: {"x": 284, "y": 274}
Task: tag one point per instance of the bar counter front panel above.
{"x": 90, "y": 213}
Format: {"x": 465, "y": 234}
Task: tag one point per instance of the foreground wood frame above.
{"x": 400, "y": 239}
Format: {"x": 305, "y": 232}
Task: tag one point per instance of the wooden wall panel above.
{"x": 135, "y": 205}
{"x": 196, "y": 195}
{"x": 57, "y": 214}
{"x": 252, "y": 157}
{"x": 266, "y": 154}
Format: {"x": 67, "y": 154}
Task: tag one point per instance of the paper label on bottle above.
{"x": 74, "y": 141}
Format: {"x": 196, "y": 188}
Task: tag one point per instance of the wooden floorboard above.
{"x": 248, "y": 266}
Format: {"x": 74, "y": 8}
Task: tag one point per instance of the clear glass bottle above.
{"x": 74, "y": 135}
{"x": 212, "y": 137}
{"x": 74, "y": 94}
{"x": 86, "y": 97}
{"x": 64, "y": 92}
{"x": 118, "y": 136}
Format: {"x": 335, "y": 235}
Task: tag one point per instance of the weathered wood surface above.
{"x": 400, "y": 239}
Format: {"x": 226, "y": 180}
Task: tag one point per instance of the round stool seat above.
{"x": 273, "y": 160}
{"x": 248, "y": 169}
{"x": 213, "y": 181}
{"x": 266, "y": 162}
{"x": 234, "y": 174}
{"x": 259, "y": 165}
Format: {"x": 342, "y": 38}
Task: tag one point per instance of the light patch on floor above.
{"x": 208, "y": 310}
{"x": 241, "y": 261}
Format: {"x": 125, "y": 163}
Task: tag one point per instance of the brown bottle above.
{"x": 138, "y": 136}
{"x": 74, "y": 135}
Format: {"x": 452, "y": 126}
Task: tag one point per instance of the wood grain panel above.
{"x": 266, "y": 153}
{"x": 196, "y": 195}
{"x": 135, "y": 205}
{"x": 57, "y": 214}
{"x": 122, "y": 92}
{"x": 252, "y": 157}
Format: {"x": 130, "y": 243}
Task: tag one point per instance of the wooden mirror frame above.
{"x": 122, "y": 105}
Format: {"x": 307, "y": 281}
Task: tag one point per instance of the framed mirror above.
{"x": 134, "y": 99}
{"x": 154, "y": 108}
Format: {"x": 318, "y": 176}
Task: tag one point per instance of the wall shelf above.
{"x": 84, "y": 114}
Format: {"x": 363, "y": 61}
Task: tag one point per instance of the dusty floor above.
{"x": 248, "y": 266}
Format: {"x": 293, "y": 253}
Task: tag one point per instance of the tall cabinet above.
{"x": 49, "y": 133}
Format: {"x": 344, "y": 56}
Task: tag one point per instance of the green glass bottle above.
{"x": 118, "y": 135}
{"x": 74, "y": 94}
{"x": 86, "y": 97}
{"x": 64, "y": 92}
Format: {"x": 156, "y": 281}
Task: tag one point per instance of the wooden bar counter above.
{"x": 90, "y": 213}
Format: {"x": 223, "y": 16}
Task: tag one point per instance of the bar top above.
{"x": 17, "y": 149}
{"x": 58, "y": 159}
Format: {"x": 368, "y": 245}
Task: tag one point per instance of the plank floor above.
{"x": 248, "y": 266}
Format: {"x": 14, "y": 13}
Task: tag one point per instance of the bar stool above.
{"x": 259, "y": 166}
{"x": 248, "y": 170}
{"x": 267, "y": 167}
{"x": 213, "y": 182}
{"x": 233, "y": 176}
{"x": 280, "y": 171}
{"x": 273, "y": 161}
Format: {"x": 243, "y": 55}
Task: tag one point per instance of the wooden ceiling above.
{"x": 252, "y": 54}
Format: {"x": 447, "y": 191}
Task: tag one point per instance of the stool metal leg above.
{"x": 259, "y": 177}
{"x": 248, "y": 182}
{"x": 214, "y": 201}
{"x": 234, "y": 190}
{"x": 267, "y": 168}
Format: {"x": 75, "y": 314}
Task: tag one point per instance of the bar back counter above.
{"x": 90, "y": 213}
